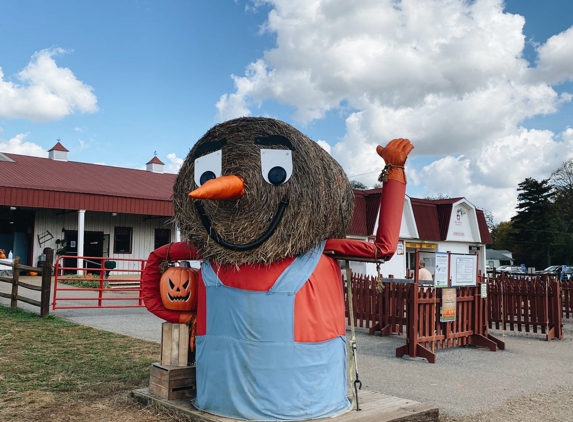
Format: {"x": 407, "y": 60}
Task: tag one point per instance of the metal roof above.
{"x": 432, "y": 216}
{"x": 47, "y": 183}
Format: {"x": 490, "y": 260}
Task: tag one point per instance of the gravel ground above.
{"x": 531, "y": 380}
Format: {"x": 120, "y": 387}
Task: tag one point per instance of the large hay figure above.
{"x": 261, "y": 203}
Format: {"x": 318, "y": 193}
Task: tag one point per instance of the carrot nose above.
{"x": 222, "y": 188}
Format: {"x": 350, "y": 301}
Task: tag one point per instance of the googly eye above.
{"x": 276, "y": 165}
{"x": 208, "y": 167}
{"x": 208, "y": 175}
{"x": 277, "y": 175}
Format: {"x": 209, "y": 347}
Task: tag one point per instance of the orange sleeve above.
{"x": 387, "y": 234}
{"x": 151, "y": 277}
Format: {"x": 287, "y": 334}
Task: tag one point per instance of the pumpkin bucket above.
{"x": 178, "y": 287}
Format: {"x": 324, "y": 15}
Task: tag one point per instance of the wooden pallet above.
{"x": 172, "y": 382}
{"x": 375, "y": 407}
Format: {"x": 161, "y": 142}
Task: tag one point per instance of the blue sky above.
{"x": 482, "y": 88}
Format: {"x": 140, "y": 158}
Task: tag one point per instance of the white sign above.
{"x": 441, "y": 270}
{"x": 400, "y": 248}
{"x": 464, "y": 270}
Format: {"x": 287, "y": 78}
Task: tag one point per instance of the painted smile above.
{"x": 232, "y": 246}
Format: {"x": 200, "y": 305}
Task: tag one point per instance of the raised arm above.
{"x": 393, "y": 180}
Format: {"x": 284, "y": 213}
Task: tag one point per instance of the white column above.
{"x": 81, "y": 221}
{"x": 177, "y": 234}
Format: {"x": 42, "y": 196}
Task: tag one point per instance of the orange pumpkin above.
{"x": 178, "y": 288}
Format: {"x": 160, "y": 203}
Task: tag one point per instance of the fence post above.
{"x": 557, "y": 310}
{"x": 15, "y": 280}
{"x": 46, "y": 289}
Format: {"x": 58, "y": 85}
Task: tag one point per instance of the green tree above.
{"x": 534, "y": 227}
{"x": 438, "y": 196}
{"x": 502, "y": 236}
{"x": 357, "y": 185}
{"x": 562, "y": 183}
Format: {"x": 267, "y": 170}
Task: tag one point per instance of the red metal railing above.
{"x": 118, "y": 285}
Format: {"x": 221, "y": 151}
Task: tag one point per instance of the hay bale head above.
{"x": 319, "y": 195}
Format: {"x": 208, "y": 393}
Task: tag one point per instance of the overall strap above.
{"x": 291, "y": 279}
{"x": 296, "y": 274}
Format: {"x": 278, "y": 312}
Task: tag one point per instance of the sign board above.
{"x": 400, "y": 248}
{"x": 441, "y": 270}
{"x": 463, "y": 270}
{"x": 483, "y": 290}
{"x": 412, "y": 245}
{"x": 474, "y": 248}
{"x": 448, "y": 311}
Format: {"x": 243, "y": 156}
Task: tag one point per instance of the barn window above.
{"x": 122, "y": 239}
{"x": 162, "y": 237}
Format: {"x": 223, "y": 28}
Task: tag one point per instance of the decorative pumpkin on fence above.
{"x": 178, "y": 288}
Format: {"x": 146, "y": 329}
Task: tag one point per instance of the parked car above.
{"x": 554, "y": 269}
{"x": 510, "y": 269}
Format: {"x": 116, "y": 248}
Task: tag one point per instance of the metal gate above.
{"x": 97, "y": 282}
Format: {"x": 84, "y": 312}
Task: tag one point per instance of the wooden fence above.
{"x": 567, "y": 295}
{"x": 526, "y": 304}
{"x": 406, "y": 306}
{"x": 44, "y": 288}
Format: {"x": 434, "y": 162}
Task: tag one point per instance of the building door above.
{"x": 93, "y": 246}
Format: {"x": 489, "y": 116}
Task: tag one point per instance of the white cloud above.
{"x": 174, "y": 164}
{"x": 46, "y": 92}
{"x": 447, "y": 74}
{"x": 555, "y": 59}
{"x": 324, "y": 145}
{"x": 17, "y": 145}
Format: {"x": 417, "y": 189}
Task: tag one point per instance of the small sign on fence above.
{"x": 448, "y": 312}
{"x": 483, "y": 290}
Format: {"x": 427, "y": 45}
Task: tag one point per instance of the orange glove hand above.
{"x": 395, "y": 155}
{"x": 186, "y": 317}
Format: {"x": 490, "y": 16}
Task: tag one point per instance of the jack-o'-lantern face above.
{"x": 178, "y": 287}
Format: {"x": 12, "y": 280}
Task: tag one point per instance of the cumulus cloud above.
{"x": 324, "y": 145}
{"x": 174, "y": 164}
{"x": 448, "y": 74}
{"x": 45, "y": 92}
{"x": 18, "y": 145}
{"x": 555, "y": 59}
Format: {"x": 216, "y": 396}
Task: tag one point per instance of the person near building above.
{"x": 423, "y": 273}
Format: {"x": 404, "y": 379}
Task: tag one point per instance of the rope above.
{"x": 353, "y": 369}
{"x": 383, "y": 178}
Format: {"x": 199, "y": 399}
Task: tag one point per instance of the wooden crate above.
{"x": 172, "y": 382}
{"x": 174, "y": 344}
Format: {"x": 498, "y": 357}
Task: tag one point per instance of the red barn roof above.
{"x": 58, "y": 147}
{"x": 432, "y": 216}
{"x": 45, "y": 183}
{"x": 155, "y": 160}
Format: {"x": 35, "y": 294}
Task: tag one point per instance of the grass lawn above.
{"x": 54, "y": 370}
